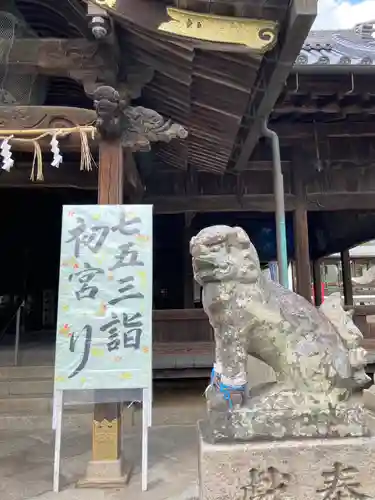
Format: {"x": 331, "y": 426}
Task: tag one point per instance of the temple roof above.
{"x": 220, "y": 92}
{"x": 354, "y": 47}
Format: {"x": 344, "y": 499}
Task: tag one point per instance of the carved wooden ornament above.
{"x": 137, "y": 126}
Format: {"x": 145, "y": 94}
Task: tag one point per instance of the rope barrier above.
{"x": 35, "y": 135}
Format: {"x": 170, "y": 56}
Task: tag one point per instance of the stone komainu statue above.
{"x": 251, "y": 315}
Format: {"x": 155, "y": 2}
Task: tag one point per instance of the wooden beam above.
{"x": 332, "y": 201}
{"x": 216, "y": 203}
{"x": 301, "y": 17}
{"x": 80, "y": 59}
{"x": 68, "y": 175}
{"x": 342, "y": 128}
{"x": 328, "y": 84}
{"x": 347, "y": 278}
{"x": 266, "y": 165}
{"x": 336, "y": 159}
{"x": 260, "y": 203}
{"x": 42, "y": 117}
{"x": 302, "y": 255}
{"x": 301, "y": 238}
{"x": 317, "y": 277}
{"x": 69, "y": 144}
{"x": 28, "y": 118}
{"x": 311, "y": 109}
{"x": 133, "y": 188}
{"x": 187, "y": 272}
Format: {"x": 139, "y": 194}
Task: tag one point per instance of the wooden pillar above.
{"x": 110, "y": 184}
{"x": 347, "y": 278}
{"x": 188, "y": 270}
{"x": 301, "y": 239}
{"x": 106, "y": 468}
{"x": 107, "y": 417}
{"x": 113, "y": 120}
{"x": 317, "y": 276}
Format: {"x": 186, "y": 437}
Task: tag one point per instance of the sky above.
{"x": 343, "y": 14}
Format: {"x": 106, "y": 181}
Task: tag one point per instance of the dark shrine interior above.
{"x": 30, "y": 250}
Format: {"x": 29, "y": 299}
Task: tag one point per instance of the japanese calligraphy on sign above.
{"x": 104, "y": 327}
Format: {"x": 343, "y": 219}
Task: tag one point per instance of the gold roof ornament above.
{"x": 258, "y": 35}
{"x": 109, "y": 4}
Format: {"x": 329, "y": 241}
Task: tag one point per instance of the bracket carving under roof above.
{"x": 137, "y": 126}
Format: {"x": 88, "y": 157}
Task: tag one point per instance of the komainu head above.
{"x": 224, "y": 253}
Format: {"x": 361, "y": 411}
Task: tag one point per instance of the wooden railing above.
{"x": 181, "y": 325}
{"x": 186, "y": 333}
{"x": 191, "y": 325}
{"x": 183, "y": 340}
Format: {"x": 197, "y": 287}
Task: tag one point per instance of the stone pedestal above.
{"x": 311, "y": 469}
{"x": 105, "y": 474}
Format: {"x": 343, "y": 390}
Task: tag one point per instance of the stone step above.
{"x": 21, "y": 387}
{"x": 165, "y": 412}
{"x": 26, "y": 372}
{"x": 35, "y": 404}
{"x": 32, "y": 423}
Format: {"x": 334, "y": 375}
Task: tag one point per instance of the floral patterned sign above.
{"x": 104, "y": 328}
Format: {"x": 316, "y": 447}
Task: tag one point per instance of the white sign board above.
{"x": 104, "y": 324}
{"x": 104, "y": 327}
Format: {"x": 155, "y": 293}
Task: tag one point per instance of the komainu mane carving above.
{"x": 109, "y": 108}
{"x": 138, "y": 127}
{"x": 254, "y": 316}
